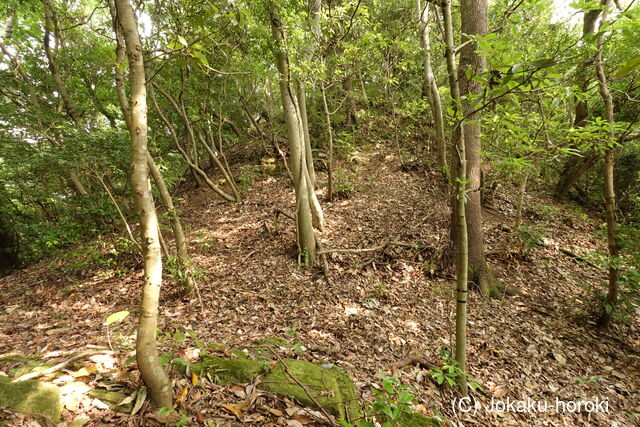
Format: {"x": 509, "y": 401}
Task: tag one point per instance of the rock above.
{"x": 332, "y": 388}
{"x": 31, "y": 396}
{"x": 229, "y": 371}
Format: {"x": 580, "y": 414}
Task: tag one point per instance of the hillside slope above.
{"x": 375, "y": 313}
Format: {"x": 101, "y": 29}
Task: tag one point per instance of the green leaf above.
{"x": 117, "y": 317}
{"x": 203, "y": 59}
{"x": 182, "y": 41}
{"x": 405, "y": 397}
{"x": 628, "y": 67}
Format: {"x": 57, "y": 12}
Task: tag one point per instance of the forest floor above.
{"x": 383, "y": 313}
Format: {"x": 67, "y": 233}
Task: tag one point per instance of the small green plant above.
{"x": 548, "y": 212}
{"x": 588, "y": 380}
{"x": 344, "y": 184}
{"x": 530, "y": 236}
{"x": 183, "y": 419}
{"x": 393, "y": 400}
{"x": 380, "y": 290}
{"x": 449, "y": 372}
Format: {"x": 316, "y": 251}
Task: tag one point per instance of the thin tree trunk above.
{"x": 149, "y": 364}
{"x": 474, "y": 21}
{"x": 462, "y": 253}
{"x": 120, "y": 213}
{"x": 308, "y": 153}
{"x": 77, "y": 184}
{"x": 576, "y": 166}
{"x": 182, "y": 250}
{"x": 433, "y": 93}
{"x": 327, "y": 118}
{"x": 303, "y": 187}
{"x": 609, "y": 188}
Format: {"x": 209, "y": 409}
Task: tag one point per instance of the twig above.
{"x": 55, "y": 368}
{"x": 303, "y": 387}
{"x": 283, "y": 213}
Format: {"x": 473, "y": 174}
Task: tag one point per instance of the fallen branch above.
{"x": 580, "y": 258}
{"x": 59, "y": 366}
{"x": 367, "y": 250}
{"x": 303, "y": 387}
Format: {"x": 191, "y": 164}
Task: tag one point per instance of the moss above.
{"x": 34, "y": 366}
{"x": 332, "y": 389}
{"x": 230, "y": 371}
{"x": 31, "y": 396}
{"x": 414, "y": 419}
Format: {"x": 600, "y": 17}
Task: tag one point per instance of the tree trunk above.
{"x": 474, "y": 21}
{"x": 462, "y": 254}
{"x": 305, "y": 203}
{"x": 433, "y": 94}
{"x": 149, "y": 364}
{"x": 327, "y": 118}
{"x": 609, "y": 189}
{"x": 182, "y": 250}
{"x": 576, "y": 166}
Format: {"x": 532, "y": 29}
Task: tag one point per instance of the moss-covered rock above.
{"x": 31, "y": 396}
{"x": 330, "y": 388}
{"x": 230, "y": 371}
{"x": 414, "y": 419}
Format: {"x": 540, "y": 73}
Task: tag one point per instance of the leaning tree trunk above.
{"x": 433, "y": 95}
{"x": 182, "y": 247}
{"x": 149, "y": 364}
{"x": 609, "y": 189}
{"x": 308, "y": 209}
{"x": 461, "y": 232}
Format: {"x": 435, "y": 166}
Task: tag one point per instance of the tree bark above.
{"x": 327, "y": 118}
{"x": 474, "y": 22}
{"x": 462, "y": 253}
{"x": 609, "y": 189}
{"x": 306, "y": 200}
{"x": 433, "y": 94}
{"x": 149, "y": 364}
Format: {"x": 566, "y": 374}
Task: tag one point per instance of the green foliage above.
{"x": 530, "y": 236}
{"x": 392, "y": 402}
{"x": 344, "y": 183}
{"x": 449, "y": 373}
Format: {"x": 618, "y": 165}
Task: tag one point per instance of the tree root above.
{"x": 55, "y": 368}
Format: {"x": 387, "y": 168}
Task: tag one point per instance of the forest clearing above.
{"x": 292, "y": 213}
